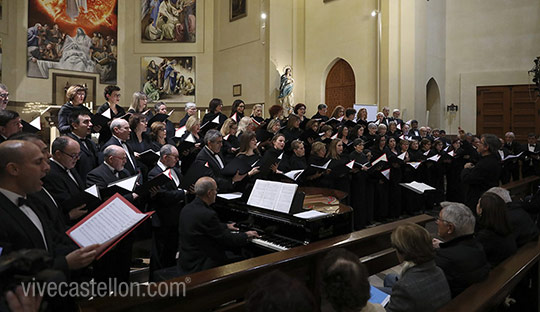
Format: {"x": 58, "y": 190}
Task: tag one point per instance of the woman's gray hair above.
{"x": 503, "y": 193}
{"x": 190, "y": 105}
{"x": 372, "y": 126}
{"x": 460, "y": 216}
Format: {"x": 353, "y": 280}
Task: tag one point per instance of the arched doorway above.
{"x": 433, "y": 103}
{"x": 340, "y": 86}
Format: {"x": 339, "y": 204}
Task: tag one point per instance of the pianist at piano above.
{"x": 204, "y": 240}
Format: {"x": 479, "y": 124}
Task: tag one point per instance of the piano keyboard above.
{"x": 275, "y": 243}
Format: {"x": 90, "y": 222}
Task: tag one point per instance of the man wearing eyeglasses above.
{"x": 4, "y": 96}
{"x": 63, "y": 181}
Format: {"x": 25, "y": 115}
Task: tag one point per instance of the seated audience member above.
{"x": 493, "y": 230}
{"x": 22, "y": 166}
{"x": 523, "y": 227}
{"x": 10, "y": 123}
{"x": 63, "y": 181}
{"x": 277, "y": 292}
{"x": 120, "y": 134}
{"x": 419, "y": 275}
{"x": 344, "y": 283}
{"x": 81, "y": 127}
{"x": 167, "y": 203}
{"x": 203, "y": 239}
{"x": 459, "y": 255}
{"x": 485, "y": 174}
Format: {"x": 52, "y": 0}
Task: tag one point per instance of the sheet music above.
{"x": 108, "y": 223}
{"x": 272, "y": 195}
{"x": 230, "y": 196}
{"x": 418, "y": 187}
{"x": 310, "y": 214}
{"x": 127, "y": 184}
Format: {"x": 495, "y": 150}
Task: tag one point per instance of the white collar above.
{"x": 12, "y": 196}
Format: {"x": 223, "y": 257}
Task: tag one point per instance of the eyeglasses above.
{"x": 442, "y": 220}
{"x": 4, "y": 95}
{"x": 73, "y": 156}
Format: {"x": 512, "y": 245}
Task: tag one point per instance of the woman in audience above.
{"x": 230, "y": 140}
{"x": 238, "y": 107}
{"x": 138, "y": 105}
{"x": 344, "y": 283}
{"x": 419, "y": 276}
{"x": 191, "y": 110}
{"x": 300, "y": 111}
{"x": 214, "y": 111}
{"x": 493, "y": 229}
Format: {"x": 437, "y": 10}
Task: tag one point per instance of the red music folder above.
{"x": 108, "y": 224}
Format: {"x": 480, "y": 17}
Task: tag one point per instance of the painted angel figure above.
{"x": 286, "y": 90}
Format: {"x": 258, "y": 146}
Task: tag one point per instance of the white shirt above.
{"x": 67, "y": 170}
{"x": 172, "y": 175}
{"x": 14, "y": 198}
{"x": 216, "y": 156}
{"x": 124, "y": 146}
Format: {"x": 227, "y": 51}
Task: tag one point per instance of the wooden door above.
{"x": 340, "y": 86}
{"x": 508, "y": 108}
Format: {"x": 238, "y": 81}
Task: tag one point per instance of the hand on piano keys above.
{"x": 252, "y": 234}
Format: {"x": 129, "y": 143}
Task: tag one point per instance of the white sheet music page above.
{"x": 272, "y": 195}
{"x": 109, "y": 222}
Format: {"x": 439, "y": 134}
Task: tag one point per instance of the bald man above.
{"x": 22, "y": 165}
{"x": 203, "y": 239}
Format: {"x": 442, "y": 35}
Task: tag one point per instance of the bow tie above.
{"x": 23, "y": 201}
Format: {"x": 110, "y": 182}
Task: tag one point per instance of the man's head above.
{"x": 22, "y": 165}
{"x": 422, "y": 131}
{"x": 66, "y": 151}
{"x": 120, "y": 128}
{"x": 213, "y": 140}
{"x": 509, "y": 137}
{"x": 414, "y": 124}
{"x": 115, "y": 156}
{"x": 455, "y": 219}
{"x": 10, "y": 123}
{"x": 81, "y": 124}
{"x": 36, "y": 139}
{"x": 4, "y": 96}
{"x": 112, "y": 94}
{"x": 168, "y": 155}
{"x": 206, "y": 190}
{"x": 160, "y": 108}
{"x": 386, "y": 111}
{"x": 488, "y": 144}
{"x": 396, "y": 113}
{"x": 531, "y": 137}
{"x": 322, "y": 109}
{"x": 350, "y": 113}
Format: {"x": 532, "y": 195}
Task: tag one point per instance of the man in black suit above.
{"x": 63, "y": 182}
{"x": 81, "y": 127}
{"x": 210, "y": 154}
{"x": 10, "y": 123}
{"x": 322, "y": 109}
{"x": 120, "y": 134}
{"x": 167, "y": 204}
{"x": 531, "y": 162}
{"x": 512, "y": 166}
{"x": 396, "y": 113}
{"x": 116, "y": 263}
{"x": 203, "y": 239}
{"x": 161, "y": 108}
{"x": 22, "y": 226}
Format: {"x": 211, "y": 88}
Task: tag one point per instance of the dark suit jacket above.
{"x": 223, "y": 183}
{"x": 48, "y": 208}
{"x": 203, "y": 239}
{"x": 89, "y": 156}
{"x": 61, "y": 186}
{"x": 409, "y": 292}
{"x": 105, "y": 132}
{"x": 103, "y": 176}
{"x": 168, "y": 201}
{"x": 18, "y": 232}
{"x": 479, "y": 179}
{"x": 63, "y": 116}
{"x": 129, "y": 167}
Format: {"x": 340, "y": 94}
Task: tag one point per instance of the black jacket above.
{"x": 168, "y": 201}
{"x": 128, "y": 166}
{"x": 61, "y": 186}
{"x": 203, "y": 239}
{"x": 89, "y": 156}
{"x": 479, "y": 179}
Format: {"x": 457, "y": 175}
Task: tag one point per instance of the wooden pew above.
{"x": 490, "y": 293}
{"x": 522, "y": 187}
{"x": 211, "y": 289}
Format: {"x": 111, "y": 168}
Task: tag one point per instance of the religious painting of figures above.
{"x": 237, "y": 9}
{"x": 169, "y": 79}
{"x": 168, "y": 20}
{"x": 76, "y": 35}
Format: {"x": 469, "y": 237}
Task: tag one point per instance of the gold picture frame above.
{"x": 237, "y": 90}
{"x": 63, "y": 81}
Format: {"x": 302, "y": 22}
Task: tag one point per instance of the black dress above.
{"x": 105, "y": 132}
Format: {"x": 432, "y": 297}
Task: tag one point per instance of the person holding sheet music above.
{"x": 322, "y": 110}
{"x": 276, "y": 112}
{"x": 297, "y": 160}
{"x": 167, "y": 203}
{"x": 338, "y": 112}
{"x": 343, "y": 134}
{"x": 454, "y": 165}
{"x": 512, "y": 166}
{"x": 264, "y": 136}
{"x": 139, "y": 141}
{"x": 362, "y": 199}
{"x": 361, "y": 117}
{"x": 214, "y": 110}
{"x": 190, "y": 143}
{"x": 382, "y": 187}
{"x": 22, "y": 225}
{"x": 339, "y": 172}
{"x": 76, "y": 95}
{"x": 112, "y": 97}
{"x": 257, "y": 114}
{"x": 326, "y": 136}
{"x": 292, "y": 132}
{"x": 120, "y": 134}
{"x": 138, "y": 105}
{"x": 230, "y": 140}
{"x": 81, "y": 127}
{"x": 272, "y": 156}
{"x": 238, "y": 107}
{"x": 300, "y": 111}
{"x": 248, "y": 151}
{"x": 371, "y": 136}
{"x": 531, "y": 160}
{"x": 63, "y": 181}
{"x": 393, "y": 131}
{"x": 318, "y": 158}
{"x": 161, "y": 108}
{"x": 245, "y": 124}
{"x": 203, "y": 240}
{"x": 191, "y": 110}
{"x": 158, "y": 136}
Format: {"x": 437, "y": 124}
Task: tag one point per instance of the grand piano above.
{"x": 281, "y": 231}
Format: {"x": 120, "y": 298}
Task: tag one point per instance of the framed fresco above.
{"x": 237, "y": 9}
{"x": 76, "y": 35}
{"x": 169, "y": 78}
{"x": 61, "y": 82}
{"x": 168, "y": 20}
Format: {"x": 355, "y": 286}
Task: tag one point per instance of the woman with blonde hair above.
{"x": 419, "y": 276}
{"x": 138, "y": 105}
{"x": 230, "y": 140}
{"x": 338, "y": 112}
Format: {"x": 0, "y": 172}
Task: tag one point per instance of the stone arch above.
{"x": 433, "y": 103}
